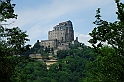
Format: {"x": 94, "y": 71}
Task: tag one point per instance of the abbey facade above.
{"x": 62, "y": 32}
{"x": 60, "y": 37}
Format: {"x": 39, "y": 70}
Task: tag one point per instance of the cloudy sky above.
{"x": 37, "y": 17}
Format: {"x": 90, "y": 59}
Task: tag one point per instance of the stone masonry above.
{"x": 59, "y": 36}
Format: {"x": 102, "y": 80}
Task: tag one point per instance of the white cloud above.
{"x": 34, "y": 32}
{"x": 56, "y": 9}
{"x": 38, "y": 21}
{"x": 83, "y": 38}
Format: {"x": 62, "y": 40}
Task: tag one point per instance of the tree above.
{"x": 110, "y": 33}
{"x": 15, "y": 40}
{"x": 62, "y": 53}
{"x": 30, "y": 71}
{"x": 6, "y": 10}
{"x": 12, "y": 42}
{"x": 108, "y": 66}
{"x": 36, "y": 48}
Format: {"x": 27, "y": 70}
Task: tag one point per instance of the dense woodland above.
{"x": 103, "y": 62}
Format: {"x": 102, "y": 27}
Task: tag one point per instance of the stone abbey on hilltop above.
{"x": 61, "y": 37}
{"x": 62, "y": 32}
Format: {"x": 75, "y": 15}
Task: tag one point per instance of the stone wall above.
{"x": 62, "y": 32}
{"x": 59, "y": 36}
{"x": 49, "y": 43}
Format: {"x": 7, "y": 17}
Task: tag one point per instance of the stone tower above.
{"x": 62, "y": 32}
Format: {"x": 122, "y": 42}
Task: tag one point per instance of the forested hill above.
{"x": 70, "y": 67}
{"x": 99, "y": 63}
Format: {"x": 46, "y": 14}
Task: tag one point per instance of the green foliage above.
{"x": 7, "y": 65}
{"x": 72, "y": 68}
{"x": 15, "y": 40}
{"x": 36, "y": 48}
{"x": 82, "y": 51}
{"x": 108, "y": 65}
{"x": 72, "y": 64}
{"x": 80, "y": 64}
{"x": 12, "y": 42}
{"x": 9, "y": 48}
{"x": 30, "y": 71}
{"x": 110, "y": 33}
{"x": 62, "y": 54}
{"x": 6, "y": 10}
